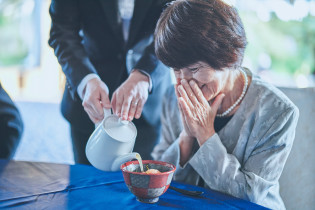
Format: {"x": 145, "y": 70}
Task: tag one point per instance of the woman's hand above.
{"x": 186, "y": 139}
{"x": 198, "y": 116}
{"x": 186, "y": 132}
{"x": 128, "y": 100}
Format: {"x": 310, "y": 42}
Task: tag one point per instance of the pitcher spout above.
{"x": 122, "y": 159}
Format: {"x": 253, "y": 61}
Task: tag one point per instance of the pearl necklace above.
{"x": 239, "y": 99}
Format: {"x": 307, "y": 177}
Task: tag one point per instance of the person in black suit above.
{"x": 11, "y": 126}
{"x": 106, "y": 50}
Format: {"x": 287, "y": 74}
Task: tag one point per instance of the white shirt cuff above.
{"x": 83, "y": 83}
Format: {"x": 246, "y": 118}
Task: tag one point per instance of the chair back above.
{"x": 297, "y": 182}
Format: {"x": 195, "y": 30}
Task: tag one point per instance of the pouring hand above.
{"x": 95, "y": 97}
{"x": 128, "y": 100}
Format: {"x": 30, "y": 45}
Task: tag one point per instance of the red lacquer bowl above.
{"x": 147, "y": 187}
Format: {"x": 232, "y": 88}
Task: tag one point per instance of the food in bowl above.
{"x": 152, "y": 171}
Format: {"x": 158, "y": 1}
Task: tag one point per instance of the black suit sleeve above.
{"x": 152, "y": 65}
{"x": 148, "y": 61}
{"x": 11, "y": 126}
{"x": 66, "y": 41}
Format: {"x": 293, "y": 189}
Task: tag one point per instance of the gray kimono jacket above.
{"x": 246, "y": 157}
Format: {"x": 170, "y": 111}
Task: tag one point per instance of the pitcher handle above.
{"x": 107, "y": 112}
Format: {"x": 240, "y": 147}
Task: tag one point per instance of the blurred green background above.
{"x": 283, "y": 46}
{"x": 13, "y": 49}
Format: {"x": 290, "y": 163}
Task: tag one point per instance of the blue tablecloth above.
{"x": 34, "y": 185}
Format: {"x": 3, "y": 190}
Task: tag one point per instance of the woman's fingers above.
{"x": 197, "y": 92}
{"x": 182, "y": 93}
{"x": 176, "y": 91}
{"x": 217, "y": 101}
{"x": 184, "y": 118}
{"x": 186, "y": 110}
{"x": 182, "y": 113}
{"x": 189, "y": 91}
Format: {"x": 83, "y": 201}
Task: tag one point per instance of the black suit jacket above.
{"x": 11, "y": 125}
{"x": 87, "y": 38}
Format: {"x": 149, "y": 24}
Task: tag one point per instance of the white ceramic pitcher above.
{"x": 111, "y": 143}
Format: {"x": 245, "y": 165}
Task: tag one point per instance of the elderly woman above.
{"x": 225, "y": 128}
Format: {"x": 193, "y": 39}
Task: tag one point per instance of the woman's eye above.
{"x": 194, "y": 70}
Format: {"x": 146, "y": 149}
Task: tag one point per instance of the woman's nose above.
{"x": 184, "y": 74}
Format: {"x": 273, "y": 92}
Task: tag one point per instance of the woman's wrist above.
{"x": 185, "y": 145}
{"x": 203, "y": 138}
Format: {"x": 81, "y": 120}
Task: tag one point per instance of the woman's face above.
{"x": 210, "y": 81}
